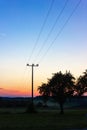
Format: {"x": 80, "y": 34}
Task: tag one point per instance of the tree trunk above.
{"x": 61, "y": 108}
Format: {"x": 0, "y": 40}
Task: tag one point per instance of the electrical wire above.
{"x": 58, "y": 34}
{"x": 58, "y": 17}
{"x": 41, "y": 30}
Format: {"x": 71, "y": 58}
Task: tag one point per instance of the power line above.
{"x": 47, "y": 15}
{"x": 49, "y": 10}
{"x": 58, "y": 16}
{"x": 60, "y": 30}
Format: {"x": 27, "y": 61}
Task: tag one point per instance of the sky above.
{"x": 51, "y": 33}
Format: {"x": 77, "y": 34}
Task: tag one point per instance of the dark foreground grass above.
{"x": 50, "y": 120}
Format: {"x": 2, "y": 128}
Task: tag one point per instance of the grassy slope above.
{"x": 50, "y": 120}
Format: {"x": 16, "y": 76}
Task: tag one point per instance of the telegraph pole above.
{"x": 32, "y": 91}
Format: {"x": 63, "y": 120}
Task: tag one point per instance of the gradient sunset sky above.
{"x": 51, "y": 33}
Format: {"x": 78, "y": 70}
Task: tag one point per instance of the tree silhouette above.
{"x": 60, "y": 86}
{"x": 81, "y": 85}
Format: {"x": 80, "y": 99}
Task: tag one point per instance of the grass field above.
{"x": 43, "y": 120}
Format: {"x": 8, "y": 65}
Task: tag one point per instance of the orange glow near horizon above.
{"x": 16, "y": 93}
{"x": 13, "y": 88}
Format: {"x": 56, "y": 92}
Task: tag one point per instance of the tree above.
{"x": 61, "y": 87}
{"x": 81, "y": 85}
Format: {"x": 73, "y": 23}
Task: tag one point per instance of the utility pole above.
{"x": 32, "y": 93}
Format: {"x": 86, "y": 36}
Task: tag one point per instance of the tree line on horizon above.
{"x": 62, "y": 86}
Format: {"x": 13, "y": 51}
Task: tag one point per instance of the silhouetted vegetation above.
{"x": 44, "y": 91}
{"x": 62, "y": 86}
{"x": 81, "y": 84}
{"x": 14, "y": 102}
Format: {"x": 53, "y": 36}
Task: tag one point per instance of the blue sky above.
{"x": 20, "y": 25}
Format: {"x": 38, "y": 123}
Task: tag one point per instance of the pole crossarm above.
{"x": 33, "y": 65}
